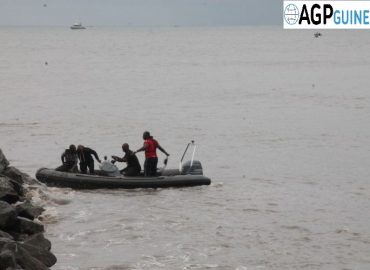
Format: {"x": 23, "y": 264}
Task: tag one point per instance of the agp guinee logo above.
{"x": 291, "y": 14}
{"x": 326, "y": 14}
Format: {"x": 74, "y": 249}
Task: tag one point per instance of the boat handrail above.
{"x": 192, "y": 143}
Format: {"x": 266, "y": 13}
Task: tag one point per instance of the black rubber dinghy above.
{"x": 85, "y": 181}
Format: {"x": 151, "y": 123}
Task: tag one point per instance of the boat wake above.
{"x": 49, "y": 199}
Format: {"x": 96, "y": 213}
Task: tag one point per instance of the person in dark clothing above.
{"x": 86, "y": 161}
{"x": 133, "y": 165}
{"x": 69, "y": 160}
{"x": 151, "y": 159}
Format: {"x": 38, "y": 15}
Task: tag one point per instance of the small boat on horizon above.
{"x": 78, "y": 26}
{"x": 317, "y": 35}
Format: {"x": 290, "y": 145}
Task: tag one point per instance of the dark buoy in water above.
{"x": 45, "y": 5}
{"x": 46, "y": 63}
{"x": 317, "y": 35}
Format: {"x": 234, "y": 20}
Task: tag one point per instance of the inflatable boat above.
{"x": 189, "y": 174}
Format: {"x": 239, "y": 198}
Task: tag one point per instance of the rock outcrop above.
{"x": 4, "y": 163}
{"x": 22, "y": 243}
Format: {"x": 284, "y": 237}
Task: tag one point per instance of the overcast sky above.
{"x": 141, "y": 12}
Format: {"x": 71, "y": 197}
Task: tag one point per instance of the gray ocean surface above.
{"x": 281, "y": 120}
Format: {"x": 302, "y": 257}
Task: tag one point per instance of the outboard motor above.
{"x": 192, "y": 166}
{"x": 194, "y": 169}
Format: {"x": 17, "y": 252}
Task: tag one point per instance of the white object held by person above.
{"x": 109, "y": 168}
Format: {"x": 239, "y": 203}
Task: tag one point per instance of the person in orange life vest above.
{"x": 151, "y": 159}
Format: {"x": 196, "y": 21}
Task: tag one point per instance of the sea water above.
{"x": 281, "y": 120}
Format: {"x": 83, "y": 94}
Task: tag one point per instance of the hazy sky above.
{"x": 141, "y": 12}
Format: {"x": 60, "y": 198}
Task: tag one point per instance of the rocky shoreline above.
{"x": 22, "y": 242}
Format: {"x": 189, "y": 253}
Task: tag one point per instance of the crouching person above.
{"x": 69, "y": 160}
{"x": 133, "y": 165}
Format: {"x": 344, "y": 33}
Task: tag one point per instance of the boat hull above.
{"x": 84, "y": 181}
{"x": 78, "y": 27}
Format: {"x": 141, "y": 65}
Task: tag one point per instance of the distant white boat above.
{"x": 77, "y": 26}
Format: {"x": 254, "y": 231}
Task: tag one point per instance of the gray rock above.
{"x": 43, "y": 255}
{"x": 38, "y": 240}
{"x": 27, "y": 226}
{"x": 17, "y": 267}
{"x": 20, "y": 237}
{"x": 3, "y": 161}
{"x": 22, "y": 244}
{"x": 5, "y": 235}
{"x": 24, "y": 258}
{"x": 18, "y": 188}
{"x": 18, "y": 176}
{"x": 7, "y": 215}
{"x": 7, "y": 190}
{"x": 27, "y": 210}
{"x": 7, "y": 260}
{"x": 4, "y": 242}
{"x": 39, "y": 247}
{"x": 28, "y": 262}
